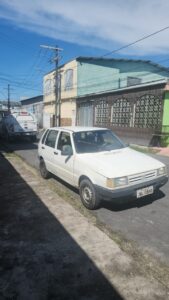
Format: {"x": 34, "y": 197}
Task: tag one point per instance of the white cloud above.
{"x": 105, "y": 24}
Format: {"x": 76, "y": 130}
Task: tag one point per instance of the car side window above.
{"x": 44, "y": 137}
{"x": 51, "y": 138}
{"x": 64, "y": 140}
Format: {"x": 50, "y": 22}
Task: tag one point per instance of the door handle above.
{"x": 43, "y": 147}
{"x": 56, "y": 153}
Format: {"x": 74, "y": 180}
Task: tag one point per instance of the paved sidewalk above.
{"x": 50, "y": 251}
{"x": 163, "y": 151}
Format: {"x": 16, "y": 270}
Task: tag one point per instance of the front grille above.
{"x": 141, "y": 177}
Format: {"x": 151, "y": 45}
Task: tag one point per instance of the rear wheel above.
{"x": 88, "y": 194}
{"x": 43, "y": 171}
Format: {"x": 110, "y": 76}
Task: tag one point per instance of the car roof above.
{"x": 78, "y": 128}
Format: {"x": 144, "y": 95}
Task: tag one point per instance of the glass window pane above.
{"x": 64, "y": 139}
{"x": 51, "y": 138}
{"x": 69, "y": 79}
{"x": 44, "y": 137}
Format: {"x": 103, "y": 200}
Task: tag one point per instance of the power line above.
{"x": 3, "y": 94}
{"x": 30, "y": 86}
{"x": 115, "y": 80}
{"x": 25, "y": 80}
{"x": 135, "y": 42}
{"x": 112, "y": 89}
{"x": 34, "y": 70}
{"x": 37, "y": 56}
{"x": 131, "y": 69}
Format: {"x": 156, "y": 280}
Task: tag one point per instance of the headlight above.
{"x": 121, "y": 181}
{"x": 117, "y": 182}
{"x": 161, "y": 171}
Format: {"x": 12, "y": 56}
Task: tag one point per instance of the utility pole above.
{"x": 57, "y": 83}
{"x": 9, "y": 103}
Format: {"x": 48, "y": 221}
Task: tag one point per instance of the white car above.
{"x": 99, "y": 164}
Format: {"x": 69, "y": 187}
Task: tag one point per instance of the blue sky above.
{"x": 81, "y": 28}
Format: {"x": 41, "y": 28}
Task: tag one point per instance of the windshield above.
{"x": 96, "y": 141}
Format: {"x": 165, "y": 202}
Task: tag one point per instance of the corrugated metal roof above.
{"x": 35, "y": 99}
{"x": 122, "y": 59}
{"x": 99, "y": 58}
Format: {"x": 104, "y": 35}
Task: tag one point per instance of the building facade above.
{"x": 67, "y": 77}
{"x": 13, "y": 104}
{"x": 129, "y": 96}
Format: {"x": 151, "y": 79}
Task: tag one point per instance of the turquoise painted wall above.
{"x": 94, "y": 76}
{"x": 165, "y": 121}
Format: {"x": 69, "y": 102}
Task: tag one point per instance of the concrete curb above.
{"x": 164, "y": 151}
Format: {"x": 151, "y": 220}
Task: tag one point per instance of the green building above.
{"x": 129, "y": 96}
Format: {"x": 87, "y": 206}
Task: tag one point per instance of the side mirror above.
{"x": 67, "y": 150}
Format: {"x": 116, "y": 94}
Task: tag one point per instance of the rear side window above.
{"x": 23, "y": 116}
{"x": 51, "y": 138}
{"x": 44, "y": 137}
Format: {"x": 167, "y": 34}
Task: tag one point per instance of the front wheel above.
{"x": 88, "y": 195}
{"x": 43, "y": 171}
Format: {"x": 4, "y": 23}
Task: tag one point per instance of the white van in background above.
{"x": 19, "y": 123}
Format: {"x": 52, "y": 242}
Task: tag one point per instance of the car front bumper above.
{"x": 130, "y": 191}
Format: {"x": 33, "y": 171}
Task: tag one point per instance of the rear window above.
{"x": 23, "y": 116}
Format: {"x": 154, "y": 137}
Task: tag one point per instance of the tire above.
{"x": 43, "y": 171}
{"x": 88, "y": 195}
{"x": 156, "y": 194}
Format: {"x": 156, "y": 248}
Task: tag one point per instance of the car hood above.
{"x": 122, "y": 162}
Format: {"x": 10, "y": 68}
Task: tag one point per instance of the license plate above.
{"x": 145, "y": 191}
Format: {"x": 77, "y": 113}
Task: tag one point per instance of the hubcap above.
{"x": 87, "y": 194}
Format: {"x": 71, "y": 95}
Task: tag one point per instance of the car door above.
{"x": 48, "y": 150}
{"x": 65, "y": 162}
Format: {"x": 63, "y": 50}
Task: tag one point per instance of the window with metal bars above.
{"x": 121, "y": 113}
{"x": 101, "y": 113}
{"x": 148, "y": 112}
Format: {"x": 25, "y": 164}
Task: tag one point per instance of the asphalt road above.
{"x": 145, "y": 221}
